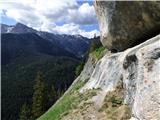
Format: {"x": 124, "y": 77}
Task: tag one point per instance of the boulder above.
{"x": 124, "y": 24}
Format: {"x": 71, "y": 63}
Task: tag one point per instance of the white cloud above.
{"x": 85, "y": 14}
{"x": 89, "y": 34}
{"x": 44, "y": 14}
{"x": 74, "y": 29}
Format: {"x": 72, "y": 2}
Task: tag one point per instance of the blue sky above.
{"x": 56, "y": 16}
{"x": 7, "y": 20}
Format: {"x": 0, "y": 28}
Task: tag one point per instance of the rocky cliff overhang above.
{"x": 124, "y": 24}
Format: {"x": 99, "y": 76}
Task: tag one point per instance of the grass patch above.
{"x": 89, "y": 94}
{"x": 114, "y": 107}
{"x": 98, "y": 53}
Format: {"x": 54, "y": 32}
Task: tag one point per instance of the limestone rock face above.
{"x": 119, "y": 86}
{"x": 125, "y": 24}
{"x": 138, "y": 69}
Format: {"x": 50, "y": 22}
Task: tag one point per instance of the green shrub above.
{"x": 98, "y": 53}
{"x": 116, "y": 101}
{"x": 79, "y": 68}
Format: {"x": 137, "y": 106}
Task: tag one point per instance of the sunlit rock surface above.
{"x": 124, "y": 24}
{"x": 138, "y": 69}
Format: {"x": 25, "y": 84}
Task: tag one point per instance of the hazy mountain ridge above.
{"x": 75, "y": 44}
{"x": 15, "y": 45}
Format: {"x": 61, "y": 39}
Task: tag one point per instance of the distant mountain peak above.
{"x": 20, "y": 25}
{"x": 17, "y": 28}
{"x": 75, "y": 44}
{"x": 21, "y": 28}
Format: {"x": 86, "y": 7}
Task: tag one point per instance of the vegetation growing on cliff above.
{"x": 114, "y": 107}
{"x": 98, "y": 53}
{"x": 96, "y": 50}
{"x": 79, "y": 68}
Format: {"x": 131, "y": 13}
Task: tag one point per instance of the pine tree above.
{"x": 25, "y": 112}
{"x": 79, "y": 68}
{"x": 38, "y": 99}
{"x": 93, "y": 46}
{"x": 52, "y": 97}
{"x": 59, "y": 93}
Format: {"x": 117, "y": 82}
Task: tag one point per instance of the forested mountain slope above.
{"x": 23, "y": 55}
